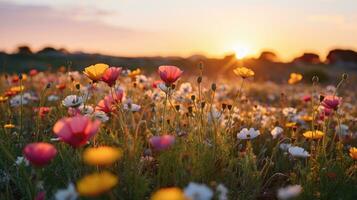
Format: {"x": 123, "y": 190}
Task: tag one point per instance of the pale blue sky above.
{"x": 180, "y": 27}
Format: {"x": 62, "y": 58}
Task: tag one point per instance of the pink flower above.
{"x": 40, "y": 153}
{"x": 76, "y": 131}
{"x": 111, "y": 75}
{"x": 162, "y": 142}
{"x": 331, "y": 102}
{"x": 108, "y": 104}
{"x": 169, "y": 74}
{"x": 42, "y": 111}
{"x": 306, "y": 98}
{"x": 33, "y": 72}
{"x": 41, "y": 196}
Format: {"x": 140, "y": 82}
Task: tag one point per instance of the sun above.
{"x": 241, "y": 51}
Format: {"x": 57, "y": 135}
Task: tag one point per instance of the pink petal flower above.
{"x": 162, "y": 142}
{"x": 169, "y": 74}
{"x": 331, "y": 102}
{"x": 76, "y": 131}
{"x": 40, "y": 153}
{"x": 111, "y": 75}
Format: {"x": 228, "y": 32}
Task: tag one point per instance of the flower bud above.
{"x": 315, "y": 79}
{"x": 213, "y": 87}
{"x": 199, "y": 79}
{"x": 344, "y": 76}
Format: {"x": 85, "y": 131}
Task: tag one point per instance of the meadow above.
{"x": 111, "y": 133}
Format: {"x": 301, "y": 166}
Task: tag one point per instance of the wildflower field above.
{"x": 112, "y": 133}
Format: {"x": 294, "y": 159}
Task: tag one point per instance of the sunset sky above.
{"x": 180, "y": 27}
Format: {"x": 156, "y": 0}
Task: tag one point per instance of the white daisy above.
{"x": 195, "y": 191}
{"x": 298, "y": 152}
{"x": 289, "y": 192}
{"x": 72, "y": 101}
{"x": 246, "y": 134}
{"x": 67, "y": 194}
{"x": 276, "y": 132}
{"x": 21, "y": 160}
{"x": 101, "y": 116}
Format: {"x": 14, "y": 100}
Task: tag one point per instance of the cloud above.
{"x": 330, "y": 19}
{"x": 42, "y": 25}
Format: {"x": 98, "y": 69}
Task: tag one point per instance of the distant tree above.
{"x": 268, "y": 56}
{"x": 47, "y": 50}
{"x": 24, "y": 50}
{"x": 308, "y": 58}
{"x": 341, "y": 56}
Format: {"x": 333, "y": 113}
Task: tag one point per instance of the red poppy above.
{"x": 109, "y": 102}
{"x": 40, "y": 153}
{"x": 76, "y": 131}
{"x": 111, "y": 75}
{"x": 169, "y": 74}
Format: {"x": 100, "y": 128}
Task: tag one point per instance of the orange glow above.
{"x": 242, "y": 51}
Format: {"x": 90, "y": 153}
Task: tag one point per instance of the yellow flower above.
{"x": 314, "y": 134}
{"x": 172, "y": 193}
{"x": 24, "y": 77}
{"x": 290, "y": 124}
{"x": 3, "y": 99}
{"x": 102, "y": 155}
{"x": 243, "y": 72}
{"x": 17, "y": 89}
{"x": 306, "y": 118}
{"x": 9, "y": 126}
{"x": 134, "y": 73}
{"x": 95, "y": 72}
{"x": 96, "y": 184}
{"x": 353, "y": 153}
{"x": 294, "y": 78}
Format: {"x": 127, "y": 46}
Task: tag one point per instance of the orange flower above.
{"x": 134, "y": 73}
{"x": 3, "y": 99}
{"x": 306, "y": 118}
{"x": 353, "y": 153}
{"x": 172, "y": 193}
{"x": 95, "y": 72}
{"x": 96, "y": 184}
{"x": 243, "y": 72}
{"x": 294, "y": 78}
{"x": 313, "y": 134}
{"x": 17, "y": 89}
{"x": 103, "y": 155}
{"x": 9, "y": 126}
{"x": 290, "y": 124}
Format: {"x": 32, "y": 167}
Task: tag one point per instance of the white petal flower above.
{"x": 342, "y": 129}
{"x": 163, "y": 87}
{"x": 276, "y": 131}
{"x": 101, "y": 116}
{"x": 86, "y": 109}
{"x": 21, "y": 160}
{"x": 246, "y": 134}
{"x": 132, "y": 107}
{"x": 285, "y": 146}
{"x": 185, "y": 88}
{"x": 213, "y": 115}
{"x": 289, "y": 192}
{"x": 298, "y": 152}
{"x": 19, "y": 100}
{"x": 195, "y": 191}
{"x": 67, "y": 194}
{"x": 222, "y": 192}
{"x": 72, "y": 101}
{"x": 52, "y": 98}
{"x": 289, "y": 112}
